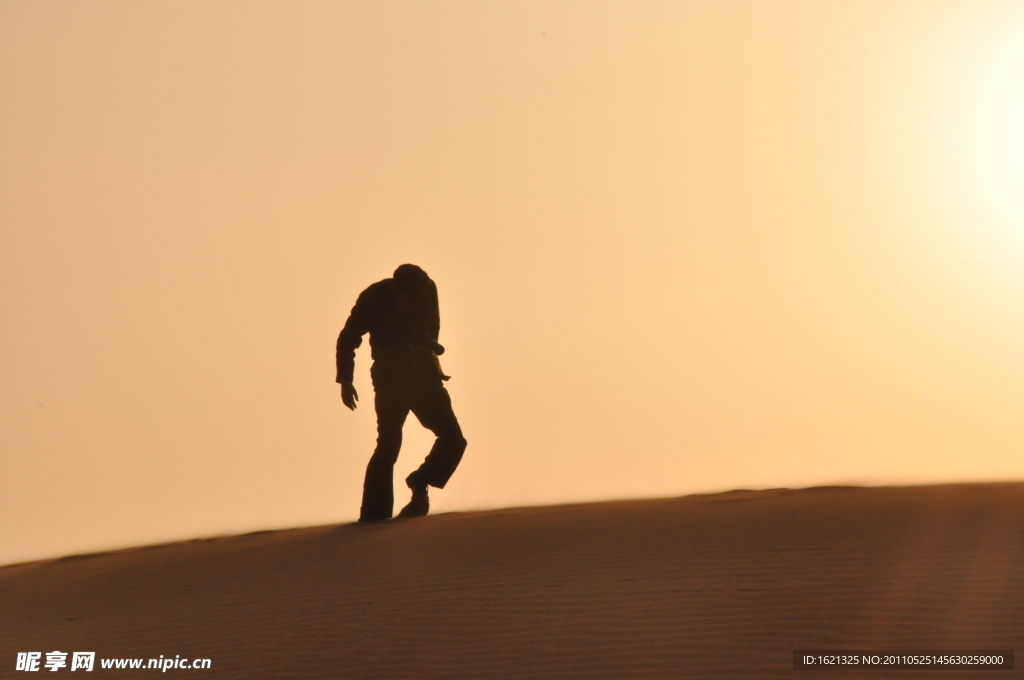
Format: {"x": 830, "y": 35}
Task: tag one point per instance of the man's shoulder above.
{"x": 377, "y": 290}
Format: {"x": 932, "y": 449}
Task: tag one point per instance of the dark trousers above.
{"x": 399, "y": 388}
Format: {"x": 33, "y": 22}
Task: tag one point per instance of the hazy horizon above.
{"x": 679, "y": 248}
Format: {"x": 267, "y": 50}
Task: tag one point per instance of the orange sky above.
{"x": 679, "y": 247}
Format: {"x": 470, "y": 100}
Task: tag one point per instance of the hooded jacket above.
{"x": 403, "y": 326}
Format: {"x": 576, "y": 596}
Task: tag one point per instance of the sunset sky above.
{"x": 680, "y": 247}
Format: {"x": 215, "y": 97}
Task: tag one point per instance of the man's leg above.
{"x": 378, "y": 488}
{"x": 433, "y": 408}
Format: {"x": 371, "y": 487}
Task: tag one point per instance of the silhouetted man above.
{"x": 401, "y": 315}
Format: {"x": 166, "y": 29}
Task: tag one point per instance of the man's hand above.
{"x": 349, "y": 396}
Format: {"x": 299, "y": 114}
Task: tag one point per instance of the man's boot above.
{"x": 420, "y": 503}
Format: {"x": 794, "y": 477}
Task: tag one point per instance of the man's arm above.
{"x": 434, "y": 325}
{"x": 349, "y": 340}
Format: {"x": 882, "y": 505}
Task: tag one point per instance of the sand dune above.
{"x": 705, "y": 586}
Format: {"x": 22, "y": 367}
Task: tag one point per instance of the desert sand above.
{"x": 720, "y": 585}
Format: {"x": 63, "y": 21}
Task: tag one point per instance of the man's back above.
{"x": 405, "y": 321}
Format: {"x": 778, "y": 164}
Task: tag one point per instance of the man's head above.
{"x": 411, "y": 279}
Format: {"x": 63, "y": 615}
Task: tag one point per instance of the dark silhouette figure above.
{"x": 401, "y": 315}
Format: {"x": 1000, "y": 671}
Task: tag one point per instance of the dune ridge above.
{"x": 720, "y": 585}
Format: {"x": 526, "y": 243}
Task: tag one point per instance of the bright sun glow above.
{"x": 987, "y": 133}
{"x": 1011, "y": 130}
